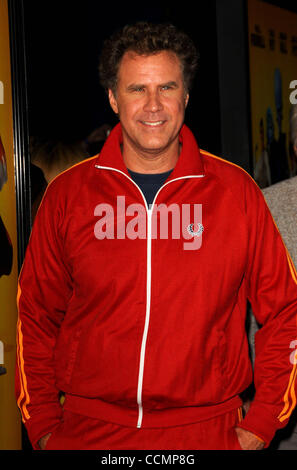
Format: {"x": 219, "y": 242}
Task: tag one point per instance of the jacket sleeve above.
{"x": 44, "y": 289}
{"x": 272, "y": 290}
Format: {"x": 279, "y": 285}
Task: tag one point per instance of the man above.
{"x": 133, "y": 292}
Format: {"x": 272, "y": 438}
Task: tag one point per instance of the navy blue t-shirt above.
{"x": 149, "y": 183}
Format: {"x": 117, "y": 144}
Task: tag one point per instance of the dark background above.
{"x": 63, "y": 41}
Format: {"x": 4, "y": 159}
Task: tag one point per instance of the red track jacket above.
{"x": 145, "y": 330}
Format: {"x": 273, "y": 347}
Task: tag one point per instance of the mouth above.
{"x": 152, "y": 124}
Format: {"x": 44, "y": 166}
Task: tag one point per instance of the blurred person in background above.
{"x": 6, "y": 249}
{"x": 50, "y": 157}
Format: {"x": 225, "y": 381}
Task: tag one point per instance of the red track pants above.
{"x": 77, "y": 432}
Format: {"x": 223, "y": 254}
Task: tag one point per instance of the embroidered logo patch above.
{"x": 195, "y": 233}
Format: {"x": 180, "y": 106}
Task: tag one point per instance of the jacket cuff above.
{"x": 260, "y": 421}
{"x": 42, "y": 423}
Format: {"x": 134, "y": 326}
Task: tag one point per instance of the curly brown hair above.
{"x": 146, "y": 39}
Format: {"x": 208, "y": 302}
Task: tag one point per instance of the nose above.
{"x": 153, "y": 102}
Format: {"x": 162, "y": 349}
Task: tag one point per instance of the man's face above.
{"x": 150, "y": 100}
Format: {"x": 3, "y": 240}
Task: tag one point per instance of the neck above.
{"x": 154, "y": 162}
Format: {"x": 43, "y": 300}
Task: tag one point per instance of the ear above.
{"x": 186, "y": 99}
{"x": 113, "y": 102}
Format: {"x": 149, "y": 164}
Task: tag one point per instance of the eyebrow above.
{"x": 134, "y": 86}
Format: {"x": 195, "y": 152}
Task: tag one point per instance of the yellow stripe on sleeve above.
{"x": 23, "y": 380}
{"x": 290, "y": 394}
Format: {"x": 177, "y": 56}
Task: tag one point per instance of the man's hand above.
{"x": 248, "y": 440}
{"x": 42, "y": 442}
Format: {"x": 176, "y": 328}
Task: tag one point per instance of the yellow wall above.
{"x": 266, "y": 22}
{"x": 10, "y": 428}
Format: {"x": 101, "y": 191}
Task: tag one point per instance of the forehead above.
{"x": 162, "y": 65}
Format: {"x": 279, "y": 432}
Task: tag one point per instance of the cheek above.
{"x": 175, "y": 103}
{"x": 177, "y": 110}
{"x": 129, "y": 110}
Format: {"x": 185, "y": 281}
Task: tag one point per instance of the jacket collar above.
{"x": 189, "y": 162}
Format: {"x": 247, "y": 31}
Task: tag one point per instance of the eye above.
{"x": 138, "y": 89}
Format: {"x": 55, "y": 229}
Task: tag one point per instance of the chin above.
{"x": 153, "y": 145}
{"x": 153, "y": 150}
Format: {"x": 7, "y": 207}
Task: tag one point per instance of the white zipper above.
{"x": 147, "y": 315}
{"x": 148, "y": 282}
